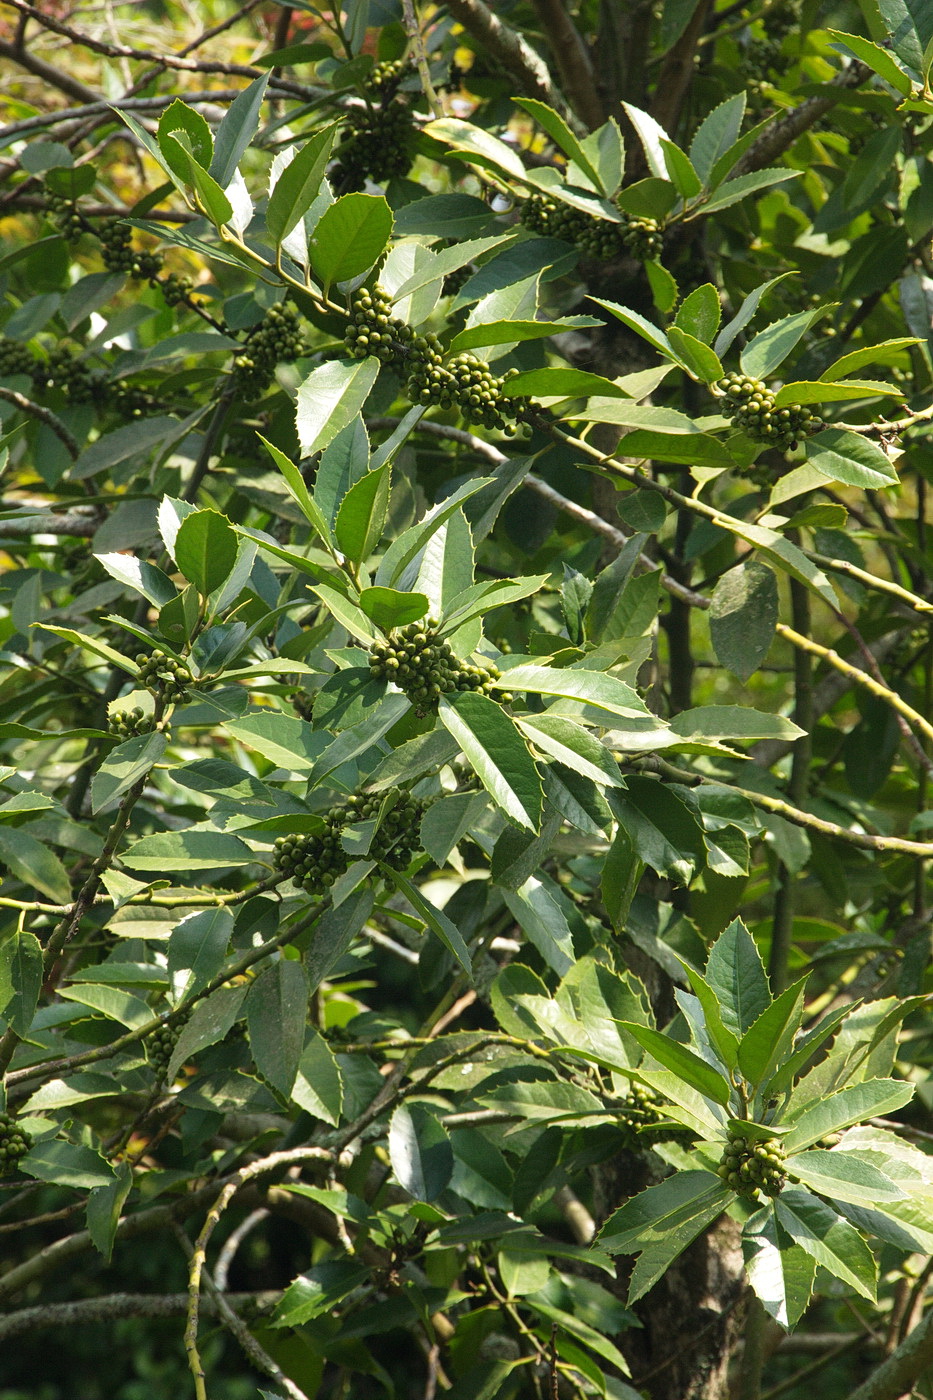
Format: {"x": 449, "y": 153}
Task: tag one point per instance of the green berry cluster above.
{"x": 276, "y": 337}
{"x": 317, "y": 860}
{"x": 597, "y": 238}
{"x": 749, "y": 1167}
{"x": 639, "y": 1116}
{"x": 470, "y": 384}
{"x": 174, "y": 289}
{"x": 119, "y": 255}
{"x": 63, "y": 213}
{"x": 751, "y": 406}
{"x": 164, "y": 676}
{"x": 377, "y": 142}
{"x": 457, "y": 279}
{"x": 421, "y": 663}
{"x": 372, "y": 330}
{"x": 160, "y": 1046}
{"x": 65, "y": 371}
{"x": 128, "y": 724}
{"x": 15, "y": 358}
{"x": 398, "y": 836}
{"x": 14, "y": 1144}
{"x": 385, "y": 79}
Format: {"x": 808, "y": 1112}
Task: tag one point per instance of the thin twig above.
{"x": 113, "y": 1305}
{"x": 46, "y": 416}
{"x": 262, "y": 1167}
{"x": 416, "y": 39}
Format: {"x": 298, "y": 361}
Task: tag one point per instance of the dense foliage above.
{"x": 465, "y": 700}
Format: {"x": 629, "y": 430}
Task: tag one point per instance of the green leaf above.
{"x": 771, "y": 347}
{"x": 827, "y": 1238}
{"x": 769, "y": 1038}
{"x": 480, "y": 598}
{"x": 205, "y": 549}
{"x": 541, "y": 911}
{"x": 880, "y": 60}
{"x": 698, "y": 359}
{"x": 411, "y": 542}
{"x": 330, "y": 398}
{"x": 718, "y": 131}
{"x": 362, "y": 515}
{"x": 318, "y": 1087}
{"x": 886, "y": 352}
{"x": 21, "y": 976}
{"x": 665, "y": 831}
{"x": 210, "y": 197}
{"x": 735, "y": 973}
{"x": 680, "y": 169}
{"x": 276, "y": 1010}
{"x": 723, "y": 1041}
{"x": 487, "y": 150}
{"x": 733, "y": 190}
{"x": 595, "y": 688}
{"x": 843, "y": 1177}
{"x": 155, "y": 586}
{"x": 299, "y": 184}
{"x": 699, "y": 313}
{"x": 185, "y": 850}
{"x": 420, "y": 1152}
{"x": 661, "y": 1221}
{"x": 781, "y": 1273}
{"x": 113, "y": 1002}
{"x": 349, "y": 237}
{"x": 298, "y": 491}
{"x": 180, "y": 119}
{"x": 286, "y": 741}
{"x": 104, "y": 1207}
{"x": 636, "y": 322}
{"x": 682, "y": 1061}
{"x": 563, "y": 137}
{"x": 572, "y": 745}
{"x": 821, "y": 391}
{"x": 498, "y": 754}
{"x": 388, "y": 608}
{"x": 197, "y": 947}
{"x": 352, "y": 617}
{"x": 67, "y": 1164}
{"x": 318, "y": 1291}
{"x": 507, "y": 332}
{"x": 91, "y": 644}
{"x": 850, "y": 458}
{"x": 209, "y": 1023}
{"x": 783, "y": 554}
{"x": 651, "y": 134}
{"x": 436, "y": 920}
{"x": 732, "y": 722}
{"x": 744, "y": 314}
{"x": 561, "y": 383}
{"x": 32, "y": 862}
{"x": 873, "y": 1098}
{"x": 237, "y": 130}
{"x": 124, "y": 766}
{"x": 743, "y": 615}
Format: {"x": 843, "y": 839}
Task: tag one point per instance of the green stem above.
{"x": 782, "y": 931}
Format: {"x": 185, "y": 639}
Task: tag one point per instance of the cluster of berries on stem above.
{"x": 160, "y": 1046}
{"x": 119, "y": 255}
{"x": 378, "y": 139}
{"x": 316, "y": 860}
{"x": 164, "y": 676}
{"x": 277, "y": 337}
{"x": 14, "y": 1144}
{"x": 640, "y": 1115}
{"x": 129, "y": 724}
{"x": 421, "y": 663}
{"x": 597, "y": 238}
{"x": 752, "y": 407}
{"x": 749, "y": 1167}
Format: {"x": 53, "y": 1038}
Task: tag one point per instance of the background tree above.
{"x": 466, "y": 701}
